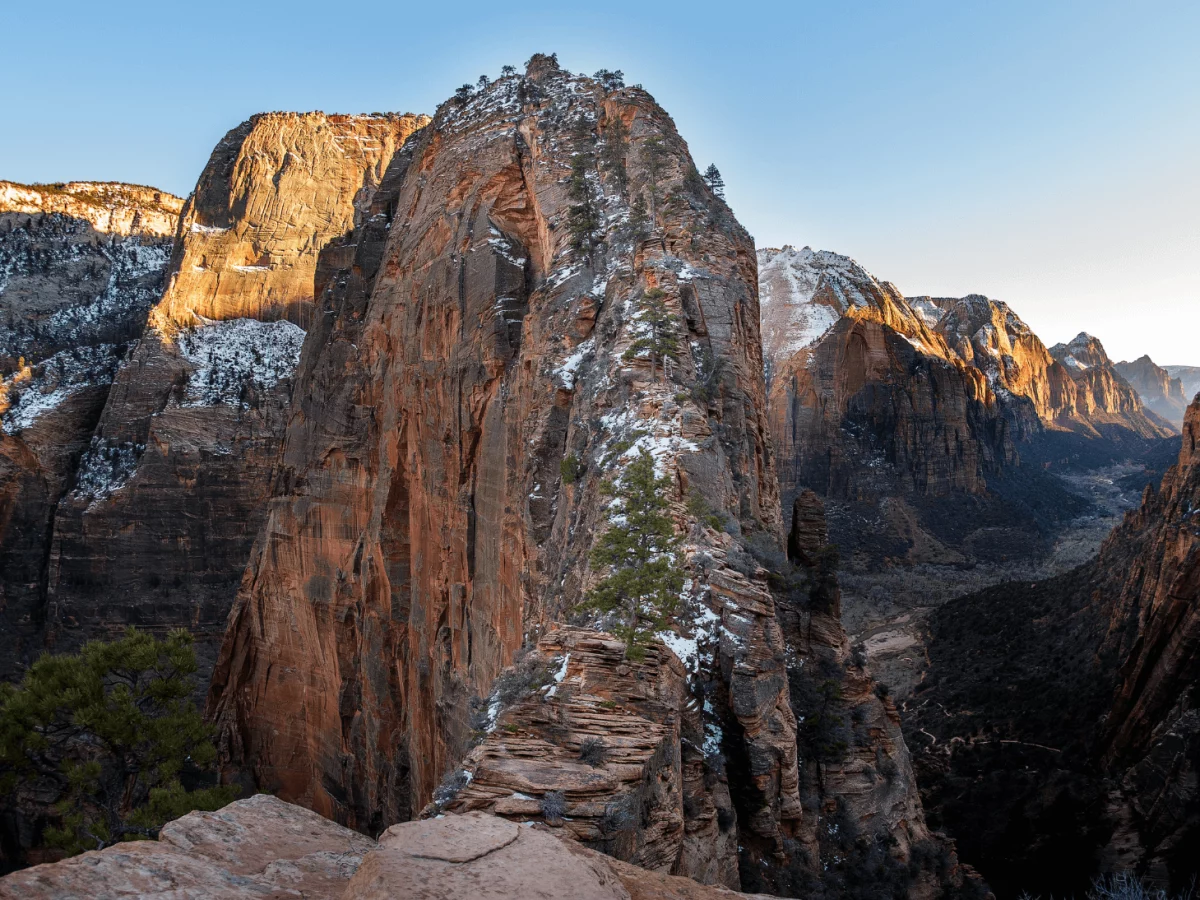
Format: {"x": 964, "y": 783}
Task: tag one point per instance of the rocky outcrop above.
{"x": 422, "y": 526}
{"x": 1159, "y": 392}
{"x": 622, "y": 743}
{"x": 171, "y": 491}
{"x": 80, "y": 266}
{"x": 476, "y": 379}
{"x": 262, "y": 847}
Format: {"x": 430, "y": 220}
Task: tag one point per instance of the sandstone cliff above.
{"x": 1188, "y": 375}
{"x": 472, "y": 380}
{"x": 171, "y": 490}
{"x": 1160, "y": 393}
{"x": 80, "y": 266}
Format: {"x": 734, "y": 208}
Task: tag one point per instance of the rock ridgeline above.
{"x": 1091, "y": 747}
{"x": 80, "y": 266}
{"x": 1160, "y": 392}
{"x": 1189, "y": 376}
{"x": 910, "y": 416}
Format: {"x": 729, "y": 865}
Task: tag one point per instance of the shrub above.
{"x": 593, "y": 752}
{"x": 452, "y": 783}
{"x": 570, "y": 468}
{"x": 554, "y": 806}
{"x": 528, "y": 673}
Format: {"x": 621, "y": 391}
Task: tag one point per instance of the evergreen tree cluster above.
{"x": 583, "y": 216}
{"x": 112, "y": 734}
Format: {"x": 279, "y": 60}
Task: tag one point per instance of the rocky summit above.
{"x": 514, "y": 526}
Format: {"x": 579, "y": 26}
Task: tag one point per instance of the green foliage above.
{"x": 583, "y": 217}
{"x": 619, "y": 447}
{"x": 709, "y": 373}
{"x": 610, "y": 81}
{"x": 109, "y": 732}
{"x": 570, "y": 468}
{"x": 639, "y": 550}
{"x": 614, "y": 152}
{"x": 655, "y": 157}
{"x": 659, "y": 331}
{"x": 703, "y": 512}
{"x": 639, "y": 219}
{"x": 716, "y": 184}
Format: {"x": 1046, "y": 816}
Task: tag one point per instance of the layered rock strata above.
{"x": 171, "y": 491}
{"x": 80, "y": 266}
{"x": 1102, "y": 397}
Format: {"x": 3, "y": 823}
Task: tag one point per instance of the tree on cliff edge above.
{"x": 640, "y": 551}
{"x": 657, "y": 331}
{"x": 108, "y": 733}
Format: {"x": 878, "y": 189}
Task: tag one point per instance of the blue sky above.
{"x": 1042, "y": 153}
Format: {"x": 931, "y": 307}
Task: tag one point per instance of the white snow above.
{"x": 233, "y": 356}
{"x": 197, "y": 228}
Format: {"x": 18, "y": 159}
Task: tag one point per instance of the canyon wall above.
{"x": 1068, "y": 745}
{"x": 80, "y": 266}
{"x": 171, "y": 491}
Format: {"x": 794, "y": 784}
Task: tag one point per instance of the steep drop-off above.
{"x": 171, "y": 491}
{"x": 1057, "y": 731}
{"x": 80, "y": 266}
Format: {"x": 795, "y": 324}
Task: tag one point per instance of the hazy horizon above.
{"x": 1040, "y": 154}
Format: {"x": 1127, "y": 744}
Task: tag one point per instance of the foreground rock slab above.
{"x": 259, "y": 847}
{"x": 477, "y": 855}
{"x": 265, "y": 848}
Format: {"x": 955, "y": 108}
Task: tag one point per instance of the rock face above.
{"x": 907, "y": 416}
{"x": 258, "y": 847}
{"x": 1188, "y": 375}
{"x": 1092, "y": 745}
{"x": 1102, "y": 396}
{"x": 472, "y": 383}
{"x": 172, "y": 489}
{"x": 262, "y": 847}
{"x": 1160, "y": 392}
{"x": 80, "y": 266}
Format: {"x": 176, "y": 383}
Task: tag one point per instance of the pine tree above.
{"x": 610, "y": 81}
{"x": 639, "y": 550}
{"x": 463, "y": 94}
{"x": 658, "y": 331}
{"x": 505, "y": 71}
{"x": 109, "y": 730}
{"x": 654, "y": 160}
{"x": 639, "y": 221}
{"x": 716, "y": 184}
{"x": 616, "y": 148}
{"x": 583, "y": 218}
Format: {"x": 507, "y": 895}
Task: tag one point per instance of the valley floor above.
{"x": 887, "y": 611}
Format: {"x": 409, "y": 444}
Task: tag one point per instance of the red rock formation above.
{"x": 172, "y": 490}
{"x": 1160, "y": 393}
{"x": 421, "y": 526}
{"x": 623, "y": 743}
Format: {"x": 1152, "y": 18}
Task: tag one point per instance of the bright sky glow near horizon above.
{"x": 1045, "y": 154}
